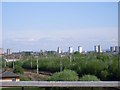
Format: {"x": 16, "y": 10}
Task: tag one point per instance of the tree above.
{"x": 66, "y": 75}
{"x": 18, "y": 70}
{"x": 89, "y": 78}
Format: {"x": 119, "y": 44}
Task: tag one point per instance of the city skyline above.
{"x": 36, "y": 26}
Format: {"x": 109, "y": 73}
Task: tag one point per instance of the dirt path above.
{"x": 36, "y": 77}
{"x": 32, "y": 75}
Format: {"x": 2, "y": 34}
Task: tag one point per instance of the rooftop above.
{"x": 8, "y": 74}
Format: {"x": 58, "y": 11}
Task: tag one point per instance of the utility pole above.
{"x": 86, "y": 59}
{"x": 13, "y": 63}
{"x": 70, "y": 59}
{"x": 5, "y": 63}
{"x": 74, "y": 58}
{"x": 31, "y": 62}
{"x": 61, "y": 64}
{"x": 37, "y": 66}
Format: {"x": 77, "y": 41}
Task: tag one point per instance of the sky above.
{"x": 60, "y": 0}
{"x": 0, "y": 25}
{"x": 48, "y": 25}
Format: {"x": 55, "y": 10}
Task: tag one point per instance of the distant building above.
{"x": 9, "y": 76}
{"x": 1, "y": 51}
{"x": 9, "y": 51}
{"x": 117, "y": 48}
{"x": 70, "y": 50}
{"x": 98, "y": 49}
{"x": 9, "y": 59}
{"x": 59, "y": 50}
{"x": 80, "y": 49}
{"x": 112, "y": 49}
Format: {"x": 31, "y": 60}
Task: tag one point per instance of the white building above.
{"x": 11, "y": 60}
{"x": 117, "y": 49}
{"x": 98, "y": 49}
{"x": 59, "y": 50}
{"x": 79, "y": 49}
{"x": 112, "y": 49}
{"x": 70, "y": 50}
{"x": 9, "y": 51}
{"x": 1, "y": 51}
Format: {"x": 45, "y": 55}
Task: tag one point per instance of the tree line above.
{"x": 98, "y": 66}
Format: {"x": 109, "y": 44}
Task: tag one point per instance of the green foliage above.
{"x": 76, "y": 53}
{"x": 89, "y": 78}
{"x": 104, "y": 66}
{"x": 66, "y": 75}
{"x": 102, "y": 57}
{"x": 10, "y": 64}
{"x": 114, "y": 70}
{"x": 104, "y": 75}
{"x": 18, "y": 63}
{"x": 23, "y": 78}
{"x": 18, "y": 69}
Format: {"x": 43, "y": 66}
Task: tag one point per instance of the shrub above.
{"x": 18, "y": 70}
{"x": 23, "y": 78}
{"x": 89, "y": 78}
{"x": 66, "y": 75}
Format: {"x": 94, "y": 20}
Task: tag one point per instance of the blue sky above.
{"x": 36, "y": 26}
{"x": 0, "y": 25}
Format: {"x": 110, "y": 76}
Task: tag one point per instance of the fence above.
{"x": 113, "y": 84}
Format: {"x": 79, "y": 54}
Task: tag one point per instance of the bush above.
{"x": 104, "y": 75}
{"x": 66, "y": 75}
{"x": 89, "y": 78}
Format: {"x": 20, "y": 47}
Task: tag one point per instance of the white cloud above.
{"x": 54, "y": 38}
